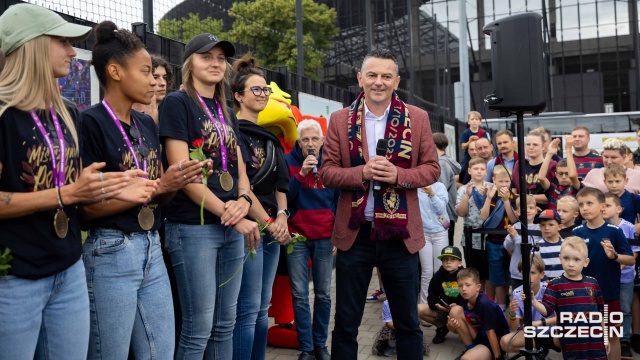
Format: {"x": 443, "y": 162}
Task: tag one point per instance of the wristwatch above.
{"x": 615, "y": 256}
{"x": 543, "y": 321}
{"x": 283, "y": 211}
{"x": 246, "y": 197}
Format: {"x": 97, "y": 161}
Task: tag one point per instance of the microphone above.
{"x": 315, "y": 168}
{"x": 381, "y": 150}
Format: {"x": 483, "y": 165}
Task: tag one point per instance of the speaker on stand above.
{"x": 519, "y": 80}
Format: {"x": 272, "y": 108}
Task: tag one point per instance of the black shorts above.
{"x": 479, "y": 261}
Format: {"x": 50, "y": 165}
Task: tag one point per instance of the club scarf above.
{"x": 390, "y": 203}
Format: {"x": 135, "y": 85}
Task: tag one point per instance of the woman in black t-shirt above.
{"x": 129, "y": 288}
{"x": 43, "y": 302}
{"x": 534, "y": 143}
{"x": 269, "y": 177}
{"x": 207, "y": 258}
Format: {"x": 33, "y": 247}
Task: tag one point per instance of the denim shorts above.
{"x": 498, "y": 274}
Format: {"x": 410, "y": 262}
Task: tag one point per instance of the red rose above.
{"x": 268, "y": 221}
{"x": 198, "y": 143}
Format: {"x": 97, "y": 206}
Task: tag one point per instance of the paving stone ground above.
{"x": 371, "y": 323}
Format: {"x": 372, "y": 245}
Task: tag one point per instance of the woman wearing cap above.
{"x": 267, "y": 170}
{"x": 206, "y": 257}
{"x": 44, "y": 307}
{"x": 129, "y": 291}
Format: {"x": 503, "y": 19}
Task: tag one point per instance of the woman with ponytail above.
{"x": 269, "y": 177}
{"x": 207, "y": 252}
{"x": 129, "y": 291}
{"x": 44, "y": 307}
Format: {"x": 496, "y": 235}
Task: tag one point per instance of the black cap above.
{"x": 205, "y": 42}
{"x": 452, "y": 251}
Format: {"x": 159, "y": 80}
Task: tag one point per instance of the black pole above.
{"x": 147, "y": 13}
{"x": 636, "y": 48}
{"x": 525, "y": 247}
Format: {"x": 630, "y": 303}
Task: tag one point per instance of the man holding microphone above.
{"x": 312, "y": 214}
{"x": 379, "y": 228}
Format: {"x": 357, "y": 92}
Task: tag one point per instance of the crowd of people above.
{"x": 186, "y": 203}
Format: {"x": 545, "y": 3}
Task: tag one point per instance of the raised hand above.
{"x": 553, "y": 146}
{"x": 608, "y": 248}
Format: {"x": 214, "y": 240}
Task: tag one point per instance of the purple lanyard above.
{"x": 58, "y": 174}
{"x": 220, "y": 128}
{"x": 126, "y": 138}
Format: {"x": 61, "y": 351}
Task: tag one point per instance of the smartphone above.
{"x": 443, "y": 303}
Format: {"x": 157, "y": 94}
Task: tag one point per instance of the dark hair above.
{"x": 243, "y": 69}
{"x": 157, "y": 60}
{"x": 586, "y": 191}
{"x": 616, "y": 198}
{"x": 440, "y": 140}
{"x": 380, "y": 54}
{"x": 112, "y": 45}
{"x": 562, "y": 163}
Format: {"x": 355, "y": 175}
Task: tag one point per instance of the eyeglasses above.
{"x": 315, "y": 139}
{"x": 257, "y": 90}
{"x": 141, "y": 148}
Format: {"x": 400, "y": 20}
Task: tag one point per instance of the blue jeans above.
{"x": 204, "y": 257}
{"x": 130, "y": 296}
{"x": 401, "y": 279}
{"x": 626, "y": 299}
{"x": 321, "y": 253}
{"x": 46, "y": 318}
{"x": 252, "y": 321}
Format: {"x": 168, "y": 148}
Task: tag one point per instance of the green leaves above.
{"x": 269, "y": 26}
{"x": 5, "y": 259}
{"x": 295, "y": 239}
{"x": 186, "y": 28}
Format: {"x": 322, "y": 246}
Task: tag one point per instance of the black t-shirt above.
{"x": 254, "y": 154}
{"x": 182, "y": 119}
{"x": 103, "y": 142}
{"x": 26, "y": 167}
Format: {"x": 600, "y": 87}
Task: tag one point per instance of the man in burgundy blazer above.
{"x": 357, "y": 253}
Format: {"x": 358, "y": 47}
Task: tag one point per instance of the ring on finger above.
{"x": 101, "y": 176}
{"x": 180, "y": 166}
{"x": 104, "y": 192}
{"x": 185, "y": 176}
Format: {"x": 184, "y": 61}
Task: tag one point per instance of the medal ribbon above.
{"x": 220, "y": 128}
{"x": 126, "y": 138}
{"x": 58, "y": 174}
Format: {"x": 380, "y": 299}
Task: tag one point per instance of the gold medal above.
{"x": 226, "y": 181}
{"x": 61, "y": 223}
{"x": 146, "y": 218}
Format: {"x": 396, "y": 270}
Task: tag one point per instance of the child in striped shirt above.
{"x": 549, "y": 246}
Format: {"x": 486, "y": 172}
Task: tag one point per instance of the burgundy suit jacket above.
{"x": 337, "y": 172}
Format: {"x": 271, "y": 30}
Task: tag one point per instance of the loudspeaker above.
{"x": 518, "y": 64}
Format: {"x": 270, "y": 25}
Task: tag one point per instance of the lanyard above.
{"x": 58, "y": 173}
{"x": 126, "y": 138}
{"x": 220, "y": 128}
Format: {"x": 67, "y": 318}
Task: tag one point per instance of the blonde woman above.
{"x": 44, "y": 306}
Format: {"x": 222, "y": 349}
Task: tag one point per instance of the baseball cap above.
{"x": 548, "y": 214}
{"x": 204, "y": 42}
{"x": 452, "y": 251}
{"x": 23, "y": 22}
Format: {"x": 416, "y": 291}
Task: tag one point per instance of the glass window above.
{"x": 587, "y": 14}
{"x": 518, "y": 6}
{"x": 622, "y": 17}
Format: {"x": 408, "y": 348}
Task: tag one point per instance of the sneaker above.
{"x": 441, "y": 333}
{"x": 390, "y": 351}
{"x": 625, "y": 350}
{"x": 635, "y": 343}
{"x": 377, "y": 295}
{"x": 307, "y": 355}
{"x": 322, "y": 353}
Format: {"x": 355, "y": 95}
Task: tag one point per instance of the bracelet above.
{"x": 246, "y": 197}
{"x": 511, "y": 316}
{"x": 59, "y": 197}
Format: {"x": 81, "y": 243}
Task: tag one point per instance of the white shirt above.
{"x": 374, "y": 127}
